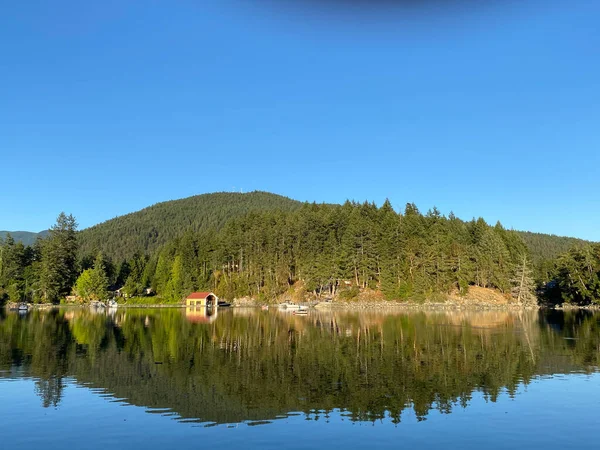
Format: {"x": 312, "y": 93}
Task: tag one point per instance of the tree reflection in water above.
{"x": 255, "y": 366}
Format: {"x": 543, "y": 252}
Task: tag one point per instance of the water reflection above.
{"x": 257, "y": 366}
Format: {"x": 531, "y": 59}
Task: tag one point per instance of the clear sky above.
{"x": 493, "y": 111}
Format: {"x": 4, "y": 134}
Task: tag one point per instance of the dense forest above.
{"x": 547, "y": 247}
{"x": 263, "y": 246}
{"x": 262, "y": 366}
{"x": 325, "y": 248}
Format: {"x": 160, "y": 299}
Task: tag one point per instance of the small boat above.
{"x": 223, "y": 304}
{"x": 23, "y": 307}
{"x": 300, "y": 312}
{"x": 112, "y": 304}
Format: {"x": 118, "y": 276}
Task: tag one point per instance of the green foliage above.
{"x": 59, "y": 259}
{"x": 148, "y": 301}
{"x": 546, "y": 247}
{"x": 133, "y": 274}
{"x": 145, "y": 231}
{"x": 261, "y": 245}
{"x": 84, "y": 286}
{"x": 327, "y": 247}
{"x": 576, "y": 277}
{"x": 13, "y": 260}
{"x": 349, "y": 294}
{"x": 92, "y": 284}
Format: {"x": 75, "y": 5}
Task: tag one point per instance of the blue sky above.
{"x": 492, "y": 111}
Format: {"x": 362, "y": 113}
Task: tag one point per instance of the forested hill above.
{"x": 26, "y": 237}
{"x": 544, "y": 247}
{"x": 146, "y": 230}
{"x": 261, "y": 244}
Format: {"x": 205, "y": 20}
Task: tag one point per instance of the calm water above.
{"x": 161, "y": 378}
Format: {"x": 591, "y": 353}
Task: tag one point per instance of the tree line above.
{"x": 44, "y": 272}
{"x": 324, "y": 250}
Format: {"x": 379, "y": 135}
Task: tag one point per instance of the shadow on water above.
{"x": 256, "y": 366}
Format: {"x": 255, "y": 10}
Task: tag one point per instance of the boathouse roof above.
{"x": 199, "y": 295}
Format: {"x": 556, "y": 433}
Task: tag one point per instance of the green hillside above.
{"x": 146, "y": 230}
{"x": 545, "y": 247}
{"x": 26, "y": 237}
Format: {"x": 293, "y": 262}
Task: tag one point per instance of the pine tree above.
{"x": 99, "y": 279}
{"x": 174, "y": 286}
{"x": 12, "y": 269}
{"x": 577, "y": 277}
{"x": 59, "y": 271}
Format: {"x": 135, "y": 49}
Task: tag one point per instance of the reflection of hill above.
{"x": 264, "y": 364}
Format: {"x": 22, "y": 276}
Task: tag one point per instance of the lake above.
{"x": 176, "y": 378}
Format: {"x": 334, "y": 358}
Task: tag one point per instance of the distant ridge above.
{"x": 26, "y": 237}
{"x": 549, "y": 246}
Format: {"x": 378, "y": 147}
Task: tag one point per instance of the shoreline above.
{"x": 362, "y": 306}
{"x": 427, "y": 306}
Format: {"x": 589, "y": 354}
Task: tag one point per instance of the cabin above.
{"x": 202, "y": 299}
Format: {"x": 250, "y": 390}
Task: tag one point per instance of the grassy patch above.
{"x": 134, "y": 301}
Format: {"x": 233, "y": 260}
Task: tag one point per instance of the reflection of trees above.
{"x": 571, "y": 338}
{"x": 50, "y": 390}
{"x": 259, "y": 366}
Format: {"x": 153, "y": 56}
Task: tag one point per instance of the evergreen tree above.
{"x": 99, "y": 279}
{"x": 59, "y": 257}
{"x": 576, "y": 278}
{"x": 12, "y": 270}
{"x": 135, "y": 283}
{"x": 174, "y": 288}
